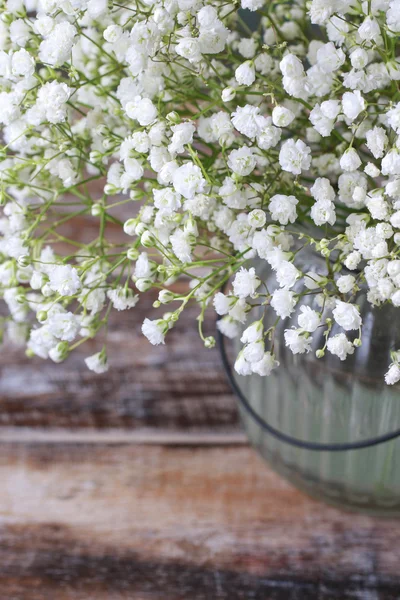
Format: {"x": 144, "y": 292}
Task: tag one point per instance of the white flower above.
{"x": 393, "y": 374}
{"x": 347, "y": 316}
{"x": 242, "y": 161}
{"x": 353, "y": 103}
{"x": 228, "y": 327}
{"x": 322, "y": 212}
{"x": 340, "y": 346}
{"x": 252, "y": 4}
{"x": 291, "y": 66}
{"x": 141, "y": 109}
{"x": 188, "y": 180}
{"x": 287, "y": 274}
{"x": 266, "y": 365}
{"x": 155, "y": 331}
{"x": 22, "y": 63}
{"x": 113, "y": 33}
{"x": 228, "y": 94}
{"x": 346, "y": 283}
{"x": 282, "y": 116}
{"x": 182, "y": 242}
{"x": 257, "y": 218}
{"x": 242, "y": 367}
{"x": 359, "y": 58}
{"x": 189, "y": 48}
{"x": 65, "y": 280}
{"x": 167, "y": 200}
{"x": 182, "y": 135}
{"x": 122, "y": 298}
{"x": 56, "y": 48}
{"x": 283, "y": 208}
{"x": 222, "y": 303}
{"x": 330, "y": 58}
{"x": 97, "y": 362}
{"x": 350, "y": 161}
{"x": 245, "y": 283}
{"x": 393, "y": 117}
{"x": 254, "y": 351}
{"x": 247, "y": 120}
{"x": 283, "y": 302}
{"x": 41, "y": 341}
{"x": 369, "y": 29}
{"x": 245, "y": 73}
{"x": 295, "y": 156}
{"x": 63, "y": 325}
{"x": 322, "y": 124}
{"x": 309, "y": 319}
{"x": 253, "y": 333}
{"x": 297, "y": 341}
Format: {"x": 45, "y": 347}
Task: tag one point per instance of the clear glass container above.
{"x": 330, "y": 401}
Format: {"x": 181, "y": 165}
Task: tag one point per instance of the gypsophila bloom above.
{"x": 245, "y": 283}
{"x": 297, "y": 341}
{"x": 347, "y": 315}
{"x": 161, "y": 151}
{"x": 340, "y": 346}
{"x": 97, "y": 363}
{"x": 154, "y": 331}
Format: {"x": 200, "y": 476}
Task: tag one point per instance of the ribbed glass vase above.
{"x": 331, "y": 401}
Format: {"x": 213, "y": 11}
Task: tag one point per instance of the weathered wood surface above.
{"x": 138, "y": 485}
{"x": 122, "y": 522}
{"x": 178, "y": 387}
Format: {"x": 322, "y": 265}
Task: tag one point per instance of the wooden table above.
{"x": 139, "y": 484}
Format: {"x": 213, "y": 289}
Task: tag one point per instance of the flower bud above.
{"x": 24, "y": 261}
{"x": 173, "y": 117}
{"x": 111, "y": 190}
{"x": 228, "y": 94}
{"x": 42, "y": 316}
{"x": 148, "y": 240}
{"x": 96, "y": 210}
{"x": 130, "y": 226}
{"x": 135, "y": 195}
{"x": 166, "y": 296}
{"x": 140, "y": 228}
{"x": 209, "y": 342}
{"x": 132, "y": 254}
{"x": 46, "y": 290}
{"x": 143, "y": 284}
{"x": 172, "y": 317}
{"x": 257, "y": 218}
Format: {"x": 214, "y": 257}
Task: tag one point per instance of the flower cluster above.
{"x": 208, "y": 144}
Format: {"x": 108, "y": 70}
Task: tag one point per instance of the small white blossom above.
{"x": 309, "y": 319}
{"x": 65, "y": 280}
{"x": 347, "y": 316}
{"x": 283, "y": 302}
{"x": 154, "y": 331}
{"x": 245, "y": 283}
{"x": 297, "y": 341}
{"x": 340, "y": 346}
{"x": 97, "y": 362}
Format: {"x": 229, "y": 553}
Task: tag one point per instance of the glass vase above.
{"x": 329, "y": 401}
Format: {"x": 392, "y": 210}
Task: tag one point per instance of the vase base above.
{"x": 333, "y": 493}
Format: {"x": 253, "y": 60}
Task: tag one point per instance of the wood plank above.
{"x": 87, "y": 522}
{"x": 176, "y": 387}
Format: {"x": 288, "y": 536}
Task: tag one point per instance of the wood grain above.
{"x": 98, "y": 522}
{"x": 179, "y": 386}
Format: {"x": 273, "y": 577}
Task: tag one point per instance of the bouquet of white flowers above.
{"x": 223, "y": 142}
